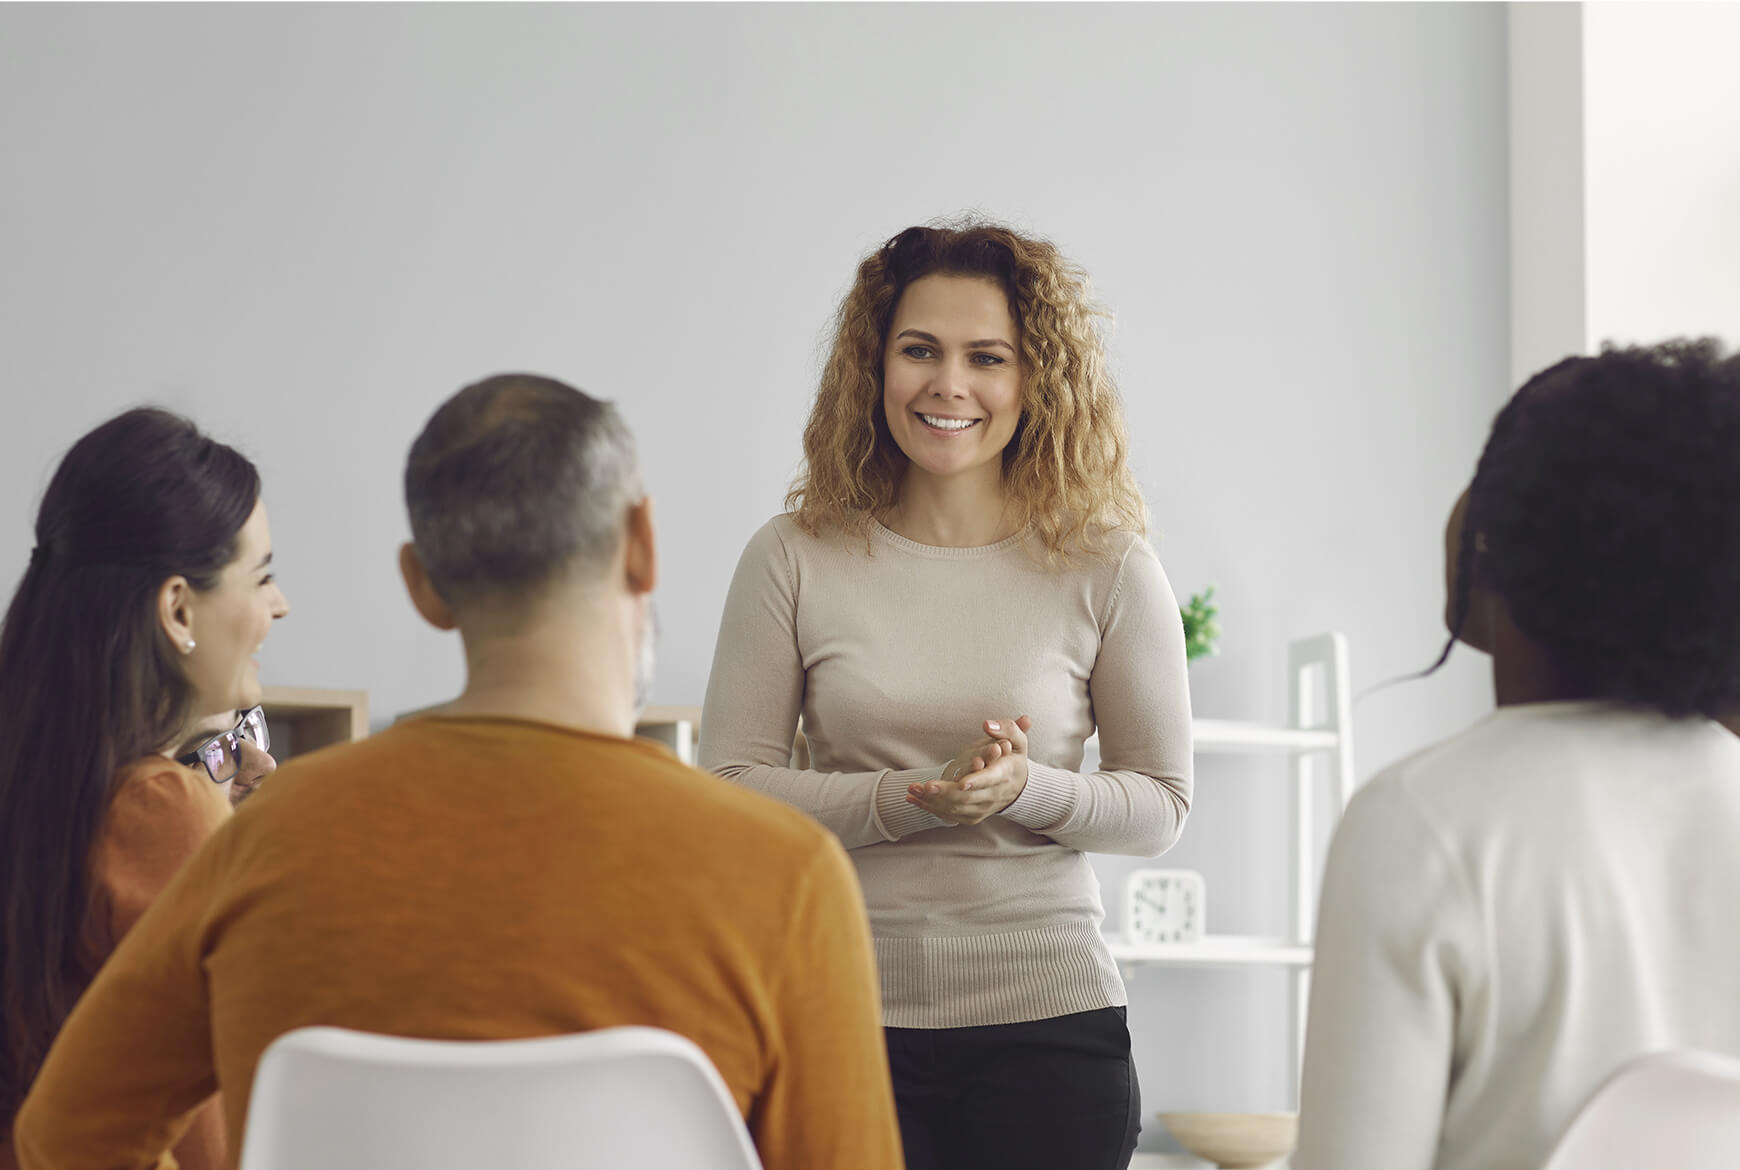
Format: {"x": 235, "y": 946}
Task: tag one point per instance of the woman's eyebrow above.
{"x": 982, "y": 343}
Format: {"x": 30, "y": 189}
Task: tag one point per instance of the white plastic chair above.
{"x": 612, "y": 1099}
{"x": 1677, "y": 1110}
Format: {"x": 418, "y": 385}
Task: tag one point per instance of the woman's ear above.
{"x": 1474, "y": 628}
{"x": 427, "y": 602}
{"x": 1487, "y": 611}
{"x": 175, "y": 613}
{"x": 1477, "y": 624}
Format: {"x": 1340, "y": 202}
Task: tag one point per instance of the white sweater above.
{"x": 894, "y": 656}
{"x": 1506, "y": 918}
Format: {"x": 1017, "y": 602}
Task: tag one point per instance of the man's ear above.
{"x": 640, "y": 552}
{"x": 175, "y": 613}
{"x": 423, "y": 595}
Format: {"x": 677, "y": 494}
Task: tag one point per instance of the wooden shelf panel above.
{"x": 302, "y": 719}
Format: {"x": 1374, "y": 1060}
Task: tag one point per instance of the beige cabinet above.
{"x": 302, "y": 719}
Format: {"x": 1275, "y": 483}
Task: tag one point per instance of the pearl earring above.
{"x": 187, "y": 646}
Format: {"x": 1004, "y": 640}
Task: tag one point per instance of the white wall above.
{"x": 1625, "y": 176}
{"x": 307, "y": 225}
{"x": 1548, "y": 233}
{"x": 1662, "y": 117}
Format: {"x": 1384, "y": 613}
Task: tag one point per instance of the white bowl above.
{"x": 1165, "y": 1162}
{"x": 1235, "y": 1140}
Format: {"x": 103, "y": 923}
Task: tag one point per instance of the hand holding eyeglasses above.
{"x": 237, "y": 756}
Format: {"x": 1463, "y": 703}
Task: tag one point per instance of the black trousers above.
{"x": 1057, "y": 1094}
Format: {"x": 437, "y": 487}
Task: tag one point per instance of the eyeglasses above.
{"x": 221, "y": 754}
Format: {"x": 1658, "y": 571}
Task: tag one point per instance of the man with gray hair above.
{"x": 510, "y": 864}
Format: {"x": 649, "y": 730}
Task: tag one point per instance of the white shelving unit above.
{"x": 1318, "y": 739}
{"x": 672, "y": 726}
{"x": 1216, "y": 950}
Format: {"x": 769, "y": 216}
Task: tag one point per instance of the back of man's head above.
{"x": 515, "y": 483}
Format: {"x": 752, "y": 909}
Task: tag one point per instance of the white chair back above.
{"x": 1667, "y": 1111}
{"x": 612, "y": 1099}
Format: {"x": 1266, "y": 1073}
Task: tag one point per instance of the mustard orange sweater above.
{"x": 469, "y": 878}
{"x": 159, "y": 815}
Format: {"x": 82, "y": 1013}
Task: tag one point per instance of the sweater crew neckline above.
{"x": 493, "y": 721}
{"x": 944, "y": 552}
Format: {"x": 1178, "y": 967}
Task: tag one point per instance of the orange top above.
{"x": 159, "y": 816}
{"x": 470, "y": 878}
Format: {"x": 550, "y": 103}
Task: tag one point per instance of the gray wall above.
{"x": 307, "y": 225}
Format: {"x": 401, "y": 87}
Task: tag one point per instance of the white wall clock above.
{"x": 1164, "y": 906}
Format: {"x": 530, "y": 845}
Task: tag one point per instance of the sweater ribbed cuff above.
{"x": 1046, "y": 801}
{"x": 894, "y": 816}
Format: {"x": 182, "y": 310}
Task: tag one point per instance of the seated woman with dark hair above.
{"x": 131, "y": 634}
{"x": 1512, "y": 914}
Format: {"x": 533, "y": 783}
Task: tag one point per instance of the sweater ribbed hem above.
{"x": 1010, "y": 978}
{"x": 896, "y": 818}
{"x": 1046, "y": 800}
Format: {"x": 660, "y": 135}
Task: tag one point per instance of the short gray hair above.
{"x": 515, "y": 481}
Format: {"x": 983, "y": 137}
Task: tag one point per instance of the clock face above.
{"x": 1164, "y": 906}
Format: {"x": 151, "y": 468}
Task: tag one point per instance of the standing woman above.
{"x": 958, "y": 597}
{"x": 147, "y": 595}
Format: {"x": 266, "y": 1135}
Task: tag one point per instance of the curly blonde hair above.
{"x": 1065, "y": 470}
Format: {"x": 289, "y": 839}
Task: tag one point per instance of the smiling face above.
{"x": 951, "y": 383}
{"x": 229, "y": 622}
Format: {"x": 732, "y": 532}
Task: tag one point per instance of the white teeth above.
{"x": 948, "y": 424}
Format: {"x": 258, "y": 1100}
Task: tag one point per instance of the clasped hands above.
{"x": 983, "y": 780}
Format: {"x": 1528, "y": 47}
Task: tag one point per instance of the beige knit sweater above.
{"x": 893, "y": 656}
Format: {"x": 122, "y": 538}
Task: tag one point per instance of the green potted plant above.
{"x": 1200, "y": 631}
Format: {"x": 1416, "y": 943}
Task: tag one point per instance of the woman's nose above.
{"x": 950, "y": 382}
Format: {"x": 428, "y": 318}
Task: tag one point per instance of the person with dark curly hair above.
{"x": 959, "y": 595}
{"x": 1511, "y": 915}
